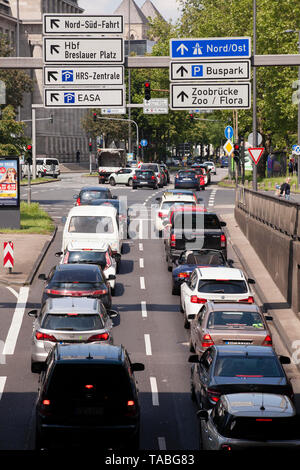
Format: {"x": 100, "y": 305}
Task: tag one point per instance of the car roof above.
{"x": 77, "y": 267}
{"x": 96, "y": 245}
{"x": 179, "y": 198}
{"x": 244, "y": 350}
{"x": 89, "y": 210}
{"x": 93, "y": 353}
{"x": 171, "y": 192}
{"x": 72, "y": 305}
{"x": 94, "y": 188}
{"x": 221, "y": 273}
{"x": 261, "y": 405}
{"x": 234, "y": 306}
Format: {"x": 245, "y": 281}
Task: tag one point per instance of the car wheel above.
{"x": 193, "y": 394}
{"x": 130, "y": 182}
{"x": 112, "y": 182}
{"x": 160, "y": 233}
{"x": 191, "y": 346}
{"x": 186, "y": 323}
{"x": 181, "y": 307}
{"x": 113, "y": 291}
{"x": 134, "y": 186}
{"x": 203, "y": 188}
{"x": 175, "y": 290}
{"x": 35, "y": 367}
{"x": 118, "y": 267}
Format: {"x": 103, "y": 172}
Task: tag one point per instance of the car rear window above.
{"x": 150, "y": 166}
{"x": 225, "y": 286}
{"x": 262, "y": 428}
{"x": 89, "y": 256}
{"x": 109, "y": 382}
{"x": 144, "y": 173}
{"x": 194, "y": 221}
{"x": 168, "y": 204}
{"x": 186, "y": 174}
{"x": 91, "y": 224}
{"x": 72, "y": 322}
{"x": 247, "y": 366}
{"x": 209, "y": 258}
{"x": 77, "y": 275}
{"x": 240, "y": 320}
{"x": 51, "y": 162}
{"x": 88, "y": 195}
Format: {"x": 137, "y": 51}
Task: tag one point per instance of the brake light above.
{"x": 223, "y": 241}
{"x": 78, "y": 201}
{"x": 207, "y": 341}
{"x": 173, "y": 240}
{"x": 176, "y": 176}
{"x": 134, "y": 177}
{"x": 131, "y": 408}
{"x": 264, "y": 419}
{"x": 46, "y": 402}
{"x": 213, "y": 396}
{"x": 76, "y": 293}
{"x": 44, "y": 337}
{"x": 226, "y": 447}
{"x": 197, "y": 300}
{"x": 267, "y": 341}
{"x": 89, "y": 387}
{"x": 99, "y": 337}
{"x": 249, "y": 300}
{"x": 161, "y": 215}
{"x": 183, "y": 275}
{"x": 153, "y": 177}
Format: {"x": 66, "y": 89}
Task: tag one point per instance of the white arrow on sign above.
{"x": 256, "y": 153}
{"x": 181, "y": 48}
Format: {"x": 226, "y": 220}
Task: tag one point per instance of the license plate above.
{"x": 89, "y": 411}
{"x": 238, "y": 342}
{"x": 143, "y": 182}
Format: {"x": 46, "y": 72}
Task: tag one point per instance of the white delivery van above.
{"x": 94, "y": 224}
{"x": 45, "y": 166}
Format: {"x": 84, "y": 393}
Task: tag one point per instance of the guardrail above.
{"x": 282, "y": 215}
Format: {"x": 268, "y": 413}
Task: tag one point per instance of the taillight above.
{"x": 173, "y": 240}
{"x": 44, "y": 337}
{"x": 99, "y": 292}
{"x": 161, "y": 215}
{"x": 207, "y": 341}
{"x": 159, "y": 175}
{"x": 131, "y": 408}
{"x": 249, "y": 300}
{"x": 99, "y": 337}
{"x": 267, "y": 341}
{"x": 153, "y": 177}
{"x": 226, "y": 447}
{"x": 223, "y": 241}
{"x": 46, "y": 402}
{"x": 213, "y": 396}
{"x": 183, "y": 275}
{"x": 78, "y": 201}
{"x": 134, "y": 177}
{"x": 197, "y": 300}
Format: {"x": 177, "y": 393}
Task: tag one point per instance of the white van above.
{"x": 45, "y": 166}
{"x": 92, "y": 224}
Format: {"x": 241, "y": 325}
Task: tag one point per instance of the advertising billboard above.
{"x": 9, "y": 182}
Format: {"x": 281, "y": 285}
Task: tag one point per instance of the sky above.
{"x": 168, "y": 8}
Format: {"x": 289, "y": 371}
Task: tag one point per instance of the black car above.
{"x": 233, "y": 369}
{"x": 92, "y": 193}
{"x": 77, "y": 280}
{"x": 144, "y": 178}
{"x": 88, "y": 397}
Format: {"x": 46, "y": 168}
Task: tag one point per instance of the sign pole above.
{"x": 33, "y": 139}
{"x": 254, "y": 117}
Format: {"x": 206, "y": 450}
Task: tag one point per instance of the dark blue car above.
{"x": 191, "y": 259}
{"x": 186, "y": 179}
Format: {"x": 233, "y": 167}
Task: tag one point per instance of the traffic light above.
{"x": 191, "y": 116}
{"x": 29, "y": 154}
{"x": 90, "y": 147}
{"x": 95, "y": 117}
{"x": 236, "y": 153}
{"x": 147, "y": 90}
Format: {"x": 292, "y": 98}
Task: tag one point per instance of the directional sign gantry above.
{"x": 82, "y": 24}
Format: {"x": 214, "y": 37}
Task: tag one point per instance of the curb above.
{"x": 40, "y": 182}
{"x": 281, "y": 331}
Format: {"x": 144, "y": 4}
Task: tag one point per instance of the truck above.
{"x": 110, "y": 161}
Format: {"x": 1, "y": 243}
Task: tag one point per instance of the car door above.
{"x": 205, "y": 364}
{"x": 187, "y": 289}
{"x": 197, "y": 330}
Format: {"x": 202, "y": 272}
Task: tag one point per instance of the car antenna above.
{"x": 89, "y": 356}
{"x": 262, "y": 405}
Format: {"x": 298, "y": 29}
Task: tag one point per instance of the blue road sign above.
{"x": 144, "y": 143}
{"x": 297, "y": 149}
{"x": 294, "y": 147}
{"x": 228, "y": 132}
{"x": 210, "y": 48}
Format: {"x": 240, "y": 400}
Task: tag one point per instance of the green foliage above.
{"x": 12, "y": 139}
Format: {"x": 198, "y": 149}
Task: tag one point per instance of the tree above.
{"x": 12, "y": 139}
{"x": 17, "y": 82}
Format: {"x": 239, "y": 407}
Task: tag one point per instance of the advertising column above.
{"x": 9, "y": 193}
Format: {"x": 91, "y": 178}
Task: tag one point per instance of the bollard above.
{"x": 8, "y": 256}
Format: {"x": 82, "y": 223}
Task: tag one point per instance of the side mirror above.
{"x": 230, "y": 261}
{"x": 75, "y": 196}
{"x": 113, "y": 313}
{"x": 137, "y": 367}
{"x": 40, "y": 367}
{"x": 202, "y": 414}
{"x": 191, "y": 316}
{"x": 251, "y": 281}
{"x": 112, "y": 277}
{"x": 158, "y": 199}
{"x": 58, "y": 254}
{"x": 114, "y": 197}
{"x": 33, "y": 313}
{"x": 63, "y": 219}
{"x": 43, "y": 277}
{"x": 268, "y": 318}
{"x": 222, "y": 223}
{"x": 194, "y": 359}
{"x": 284, "y": 360}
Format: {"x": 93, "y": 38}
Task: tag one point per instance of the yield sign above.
{"x": 256, "y": 153}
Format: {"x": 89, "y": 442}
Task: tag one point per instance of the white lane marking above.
{"x": 2, "y": 385}
{"x": 154, "y": 391}
{"x": 142, "y": 283}
{"x": 13, "y": 332}
{"x": 148, "y": 345}
{"x": 162, "y": 443}
{"x": 144, "y": 309}
{"x": 141, "y": 247}
{"x": 141, "y": 262}
{"x": 15, "y": 293}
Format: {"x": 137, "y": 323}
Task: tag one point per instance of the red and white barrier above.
{"x": 8, "y": 255}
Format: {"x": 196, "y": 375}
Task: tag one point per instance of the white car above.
{"x": 212, "y": 167}
{"x": 218, "y": 284}
{"x": 165, "y": 206}
{"x": 94, "y": 224}
{"x": 122, "y": 176}
{"x": 92, "y": 253}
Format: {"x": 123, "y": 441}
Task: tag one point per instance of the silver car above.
{"x": 68, "y": 320}
{"x": 250, "y": 420}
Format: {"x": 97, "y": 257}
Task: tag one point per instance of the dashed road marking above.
{"x": 154, "y": 391}
{"x": 162, "y": 443}
{"x": 144, "y": 309}
{"x": 148, "y": 345}
{"x": 142, "y": 283}
{"x": 12, "y": 336}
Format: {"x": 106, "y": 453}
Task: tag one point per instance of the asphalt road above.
{"x": 150, "y": 326}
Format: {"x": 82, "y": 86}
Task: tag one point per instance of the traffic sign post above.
{"x": 84, "y": 75}
{"x": 210, "y": 70}
{"x": 211, "y": 96}
{"x": 156, "y": 106}
{"x": 82, "y": 24}
{"x": 228, "y": 132}
{"x": 210, "y": 48}
{"x": 84, "y": 98}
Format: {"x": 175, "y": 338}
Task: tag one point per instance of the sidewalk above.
{"x": 286, "y": 322}
{"x": 29, "y": 251}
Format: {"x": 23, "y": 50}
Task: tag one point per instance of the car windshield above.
{"x": 262, "y": 428}
{"x": 91, "y": 224}
{"x": 144, "y": 173}
{"x": 224, "y": 286}
{"x": 247, "y": 366}
{"x": 72, "y": 322}
{"x": 198, "y": 220}
{"x": 109, "y": 383}
{"x": 89, "y": 195}
{"x": 87, "y": 256}
{"x": 78, "y": 275}
{"x": 241, "y": 320}
{"x": 168, "y": 204}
